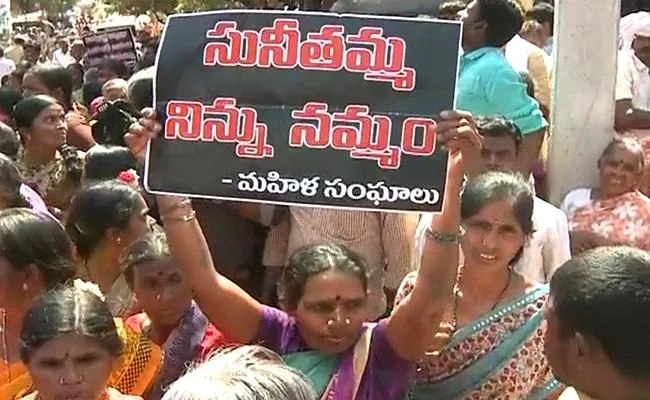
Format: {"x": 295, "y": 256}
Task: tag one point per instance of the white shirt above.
{"x": 61, "y": 58}
{"x": 633, "y": 81}
{"x": 6, "y": 66}
{"x": 524, "y": 56}
{"x": 577, "y": 198}
{"x": 549, "y": 248}
{"x": 517, "y": 52}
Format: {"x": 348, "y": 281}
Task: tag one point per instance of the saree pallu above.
{"x": 330, "y": 378}
{"x": 134, "y": 373}
{"x": 498, "y": 356}
{"x": 193, "y": 340}
{"x": 622, "y": 220}
{"x": 121, "y": 300}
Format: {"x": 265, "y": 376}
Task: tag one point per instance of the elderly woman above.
{"x": 247, "y": 372}
{"x": 324, "y": 332}
{"x": 615, "y": 212}
{"x": 170, "y": 318}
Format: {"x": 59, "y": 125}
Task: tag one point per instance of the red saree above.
{"x": 191, "y": 341}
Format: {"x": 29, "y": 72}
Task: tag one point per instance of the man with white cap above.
{"x": 632, "y": 114}
{"x": 633, "y": 80}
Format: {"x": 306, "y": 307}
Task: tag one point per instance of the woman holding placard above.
{"x": 324, "y": 333}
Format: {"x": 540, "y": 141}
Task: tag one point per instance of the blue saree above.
{"x": 498, "y": 356}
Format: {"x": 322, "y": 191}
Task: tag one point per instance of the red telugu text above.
{"x": 281, "y": 46}
{"x": 355, "y": 130}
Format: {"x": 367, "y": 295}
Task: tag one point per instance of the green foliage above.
{"x": 56, "y": 7}
{"x": 207, "y": 5}
{"x": 135, "y": 7}
{"x": 52, "y": 7}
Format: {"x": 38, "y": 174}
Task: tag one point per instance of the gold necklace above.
{"x": 456, "y": 296}
{"x": 446, "y": 332}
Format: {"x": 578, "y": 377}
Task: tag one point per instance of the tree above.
{"x": 55, "y": 7}
{"x": 52, "y": 7}
{"x": 207, "y": 5}
{"x": 135, "y": 7}
{"x": 21, "y": 6}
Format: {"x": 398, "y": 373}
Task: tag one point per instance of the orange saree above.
{"x": 134, "y": 374}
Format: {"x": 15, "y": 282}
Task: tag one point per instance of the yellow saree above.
{"x": 134, "y": 374}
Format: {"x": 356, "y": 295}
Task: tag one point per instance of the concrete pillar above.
{"x": 586, "y": 36}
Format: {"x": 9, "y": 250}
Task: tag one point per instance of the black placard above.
{"x": 116, "y": 44}
{"x": 303, "y": 108}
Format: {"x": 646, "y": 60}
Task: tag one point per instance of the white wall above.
{"x": 586, "y": 36}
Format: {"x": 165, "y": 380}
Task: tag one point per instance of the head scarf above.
{"x": 632, "y": 25}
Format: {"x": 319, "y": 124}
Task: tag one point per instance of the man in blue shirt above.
{"x": 488, "y": 86}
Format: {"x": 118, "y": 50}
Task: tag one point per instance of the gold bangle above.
{"x": 182, "y": 218}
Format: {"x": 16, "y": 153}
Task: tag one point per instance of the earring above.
{"x": 157, "y": 296}
{"x": 330, "y": 322}
{"x": 347, "y": 321}
{"x": 61, "y": 381}
{"x": 118, "y": 240}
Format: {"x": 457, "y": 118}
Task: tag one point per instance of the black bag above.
{"x": 113, "y": 121}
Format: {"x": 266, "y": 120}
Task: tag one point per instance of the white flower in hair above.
{"x": 88, "y": 287}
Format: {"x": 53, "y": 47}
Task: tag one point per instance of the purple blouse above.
{"x": 386, "y": 376}
{"x": 35, "y": 201}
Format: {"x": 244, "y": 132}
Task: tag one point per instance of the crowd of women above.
{"x": 108, "y": 292}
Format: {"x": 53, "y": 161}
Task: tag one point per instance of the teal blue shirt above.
{"x": 488, "y": 86}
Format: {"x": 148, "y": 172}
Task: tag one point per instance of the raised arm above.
{"x": 415, "y": 320}
{"x": 228, "y": 307}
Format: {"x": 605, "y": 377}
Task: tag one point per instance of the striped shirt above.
{"x": 384, "y": 240}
